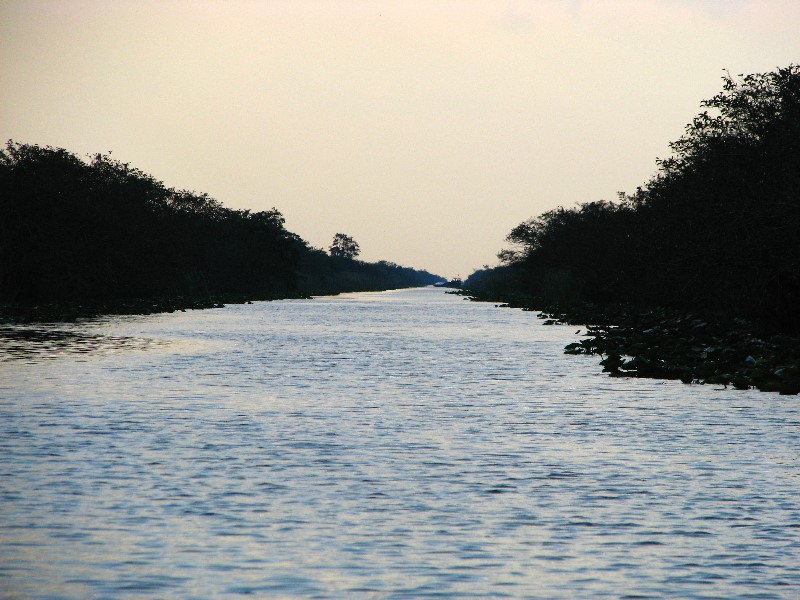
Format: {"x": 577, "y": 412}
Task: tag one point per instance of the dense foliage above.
{"x": 716, "y": 230}
{"x": 101, "y": 231}
{"x": 344, "y": 246}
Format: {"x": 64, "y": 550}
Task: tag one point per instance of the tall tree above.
{"x": 344, "y": 246}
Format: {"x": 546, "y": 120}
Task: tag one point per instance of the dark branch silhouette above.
{"x": 344, "y": 246}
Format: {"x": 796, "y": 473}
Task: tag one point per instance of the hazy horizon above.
{"x": 425, "y": 130}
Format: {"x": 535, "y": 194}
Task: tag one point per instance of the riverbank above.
{"x": 71, "y": 311}
{"x": 11, "y": 314}
{"x": 82, "y": 238}
{"x": 664, "y": 343}
{"x": 65, "y": 312}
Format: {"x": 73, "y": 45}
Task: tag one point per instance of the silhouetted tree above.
{"x": 344, "y": 246}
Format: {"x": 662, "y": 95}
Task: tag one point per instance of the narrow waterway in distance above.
{"x": 403, "y": 444}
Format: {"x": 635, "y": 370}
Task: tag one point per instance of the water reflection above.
{"x": 45, "y": 342}
{"x": 401, "y": 445}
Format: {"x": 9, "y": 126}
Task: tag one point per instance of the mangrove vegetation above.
{"x": 86, "y": 236}
{"x": 710, "y": 243}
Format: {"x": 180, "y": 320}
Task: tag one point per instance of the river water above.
{"x": 400, "y": 444}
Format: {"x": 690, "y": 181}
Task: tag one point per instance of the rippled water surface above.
{"x": 399, "y": 444}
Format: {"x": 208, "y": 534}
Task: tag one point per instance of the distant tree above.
{"x": 344, "y": 246}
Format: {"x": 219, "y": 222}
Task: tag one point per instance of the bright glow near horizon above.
{"x": 425, "y": 130}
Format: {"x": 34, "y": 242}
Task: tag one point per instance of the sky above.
{"x": 426, "y": 130}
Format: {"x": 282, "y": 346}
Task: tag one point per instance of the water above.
{"x": 389, "y": 445}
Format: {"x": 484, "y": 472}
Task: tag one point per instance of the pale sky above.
{"x": 424, "y": 129}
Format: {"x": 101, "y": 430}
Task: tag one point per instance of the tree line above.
{"x": 717, "y": 229}
{"x": 101, "y": 231}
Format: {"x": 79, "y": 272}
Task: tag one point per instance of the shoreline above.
{"x": 66, "y": 312}
{"x": 665, "y": 343}
{"x": 23, "y": 314}
{"x": 655, "y": 342}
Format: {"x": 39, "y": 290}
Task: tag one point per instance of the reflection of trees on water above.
{"x": 45, "y": 343}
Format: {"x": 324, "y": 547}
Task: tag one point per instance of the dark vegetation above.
{"x": 80, "y": 238}
{"x": 344, "y": 246}
{"x": 452, "y": 283}
{"x": 713, "y": 239}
